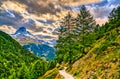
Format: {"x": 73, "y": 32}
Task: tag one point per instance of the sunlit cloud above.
{"x": 101, "y": 10}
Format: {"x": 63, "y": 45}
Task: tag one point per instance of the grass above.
{"x": 102, "y": 61}
{"x": 51, "y": 74}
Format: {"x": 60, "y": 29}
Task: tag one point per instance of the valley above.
{"x": 59, "y": 39}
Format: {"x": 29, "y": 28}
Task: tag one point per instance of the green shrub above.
{"x": 104, "y": 46}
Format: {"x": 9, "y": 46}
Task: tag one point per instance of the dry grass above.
{"x": 105, "y": 65}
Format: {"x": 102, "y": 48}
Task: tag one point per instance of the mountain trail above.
{"x": 65, "y": 75}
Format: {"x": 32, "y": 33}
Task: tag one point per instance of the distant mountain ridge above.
{"x": 41, "y": 50}
{"x": 34, "y": 45}
{"x": 23, "y": 36}
{"x": 22, "y": 30}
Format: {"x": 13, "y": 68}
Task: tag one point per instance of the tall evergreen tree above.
{"x": 84, "y": 23}
{"x": 67, "y": 25}
{"x": 114, "y": 17}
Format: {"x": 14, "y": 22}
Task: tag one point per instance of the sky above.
{"x": 101, "y": 10}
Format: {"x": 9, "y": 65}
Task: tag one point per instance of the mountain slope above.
{"x": 18, "y": 63}
{"x": 13, "y": 57}
{"x": 101, "y": 62}
{"x": 41, "y": 50}
{"x": 7, "y": 42}
{"x": 34, "y": 45}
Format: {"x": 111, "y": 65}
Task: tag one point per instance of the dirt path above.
{"x": 65, "y": 75}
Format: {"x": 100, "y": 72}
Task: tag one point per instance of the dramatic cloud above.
{"x": 101, "y": 10}
{"x": 51, "y": 6}
{"x": 115, "y": 2}
{"x": 8, "y": 29}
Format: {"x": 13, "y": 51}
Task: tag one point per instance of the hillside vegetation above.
{"x": 102, "y": 61}
{"x": 88, "y": 52}
{"x": 18, "y": 63}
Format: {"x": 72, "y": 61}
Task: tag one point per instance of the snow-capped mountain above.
{"x": 24, "y": 36}
{"x": 34, "y": 45}
{"x": 22, "y": 31}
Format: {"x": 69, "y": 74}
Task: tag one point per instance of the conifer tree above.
{"x": 67, "y": 25}
{"x": 114, "y": 17}
{"x": 84, "y": 23}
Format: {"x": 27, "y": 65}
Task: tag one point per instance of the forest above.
{"x": 78, "y": 34}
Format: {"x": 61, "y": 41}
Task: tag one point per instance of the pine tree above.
{"x": 114, "y": 17}
{"x": 84, "y": 23}
{"x": 67, "y": 25}
{"x": 115, "y": 14}
{"x": 97, "y": 28}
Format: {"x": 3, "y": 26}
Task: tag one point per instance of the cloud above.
{"x": 115, "y": 2}
{"x": 51, "y": 6}
{"x": 8, "y": 29}
{"x": 101, "y": 21}
{"x": 101, "y": 10}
